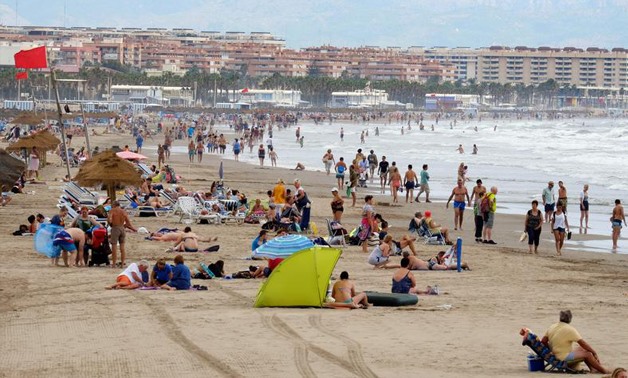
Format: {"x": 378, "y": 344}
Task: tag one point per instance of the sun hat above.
{"x": 334, "y": 189}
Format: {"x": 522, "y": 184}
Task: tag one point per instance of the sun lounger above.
{"x": 337, "y": 236}
{"x": 429, "y": 237}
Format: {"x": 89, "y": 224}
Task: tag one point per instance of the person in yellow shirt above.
{"x": 560, "y": 337}
{"x": 279, "y": 193}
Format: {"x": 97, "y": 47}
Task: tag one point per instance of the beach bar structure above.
{"x": 373, "y": 98}
{"x": 146, "y": 94}
{"x": 268, "y": 97}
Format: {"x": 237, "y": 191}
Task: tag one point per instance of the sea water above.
{"x": 519, "y": 157}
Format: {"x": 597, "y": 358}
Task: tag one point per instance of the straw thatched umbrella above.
{"x": 27, "y": 118}
{"x": 109, "y": 170}
{"x": 11, "y": 168}
{"x": 43, "y": 140}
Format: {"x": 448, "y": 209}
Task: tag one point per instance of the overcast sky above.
{"x": 451, "y": 23}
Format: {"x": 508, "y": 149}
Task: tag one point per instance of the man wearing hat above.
{"x": 549, "y": 200}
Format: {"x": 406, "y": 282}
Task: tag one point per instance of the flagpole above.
{"x": 89, "y": 149}
{"x": 53, "y": 80}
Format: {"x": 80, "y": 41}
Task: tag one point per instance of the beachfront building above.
{"x": 374, "y": 98}
{"x": 451, "y": 101}
{"x": 268, "y": 98}
{"x": 144, "y": 94}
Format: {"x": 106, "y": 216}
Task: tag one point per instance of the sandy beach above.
{"x": 58, "y": 322}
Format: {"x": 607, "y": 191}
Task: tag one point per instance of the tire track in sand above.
{"x": 300, "y": 348}
{"x": 285, "y": 330}
{"x": 354, "y": 348}
{"x": 174, "y": 333}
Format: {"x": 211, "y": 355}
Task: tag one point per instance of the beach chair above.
{"x": 429, "y": 237}
{"x": 145, "y": 170}
{"x": 80, "y": 196}
{"x": 551, "y": 363}
{"x": 337, "y": 236}
{"x": 189, "y": 208}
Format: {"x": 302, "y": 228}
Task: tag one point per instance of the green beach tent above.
{"x": 300, "y": 280}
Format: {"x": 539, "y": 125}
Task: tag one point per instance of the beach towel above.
{"x": 44, "y": 237}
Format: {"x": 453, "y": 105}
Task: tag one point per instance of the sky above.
{"x": 402, "y": 23}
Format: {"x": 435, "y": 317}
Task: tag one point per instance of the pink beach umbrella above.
{"x": 130, "y": 155}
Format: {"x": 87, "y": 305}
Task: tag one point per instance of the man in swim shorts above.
{"x": 616, "y": 220}
{"x": 118, "y": 220}
{"x": 549, "y": 200}
{"x": 63, "y": 243}
{"x": 382, "y": 170}
{"x": 562, "y": 196}
{"x": 409, "y": 181}
{"x": 458, "y": 194}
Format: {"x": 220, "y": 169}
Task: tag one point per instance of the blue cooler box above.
{"x": 535, "y": 363}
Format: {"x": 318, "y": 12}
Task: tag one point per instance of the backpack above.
{"x": 485, "y": 205}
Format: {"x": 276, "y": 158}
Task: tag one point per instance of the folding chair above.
{"x": 429, "y": 237}
{"x": 551, "y": 363}
{"x": 336, "y": 235}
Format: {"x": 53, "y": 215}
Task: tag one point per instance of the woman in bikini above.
{"x": 395, "y": 183}
{"x": 337, "y": 205}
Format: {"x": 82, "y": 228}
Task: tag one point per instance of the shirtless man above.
{"x": 118, "y": 219}
{"x": 67, "y": 241}
{"x": 409, "y": 181}
{"x": 78, "y": 236}
{"x": 344, "y": 294}
{"x": 616, "y": 219}
{"x": 562, "y": 196}
{"x": 477, "y": 189}
{"x": 458, "y": 194}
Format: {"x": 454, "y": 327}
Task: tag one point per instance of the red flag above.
{"x": 21, "y": 75}
{"x": 245, "y": 90}
{"x": 33, "y": 58}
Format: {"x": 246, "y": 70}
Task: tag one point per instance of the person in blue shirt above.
{"x": 259, "y": 240}
{"x": 181, "y": 277}
{"x": 161, "y": 274}
{"x": 139, "y": 142}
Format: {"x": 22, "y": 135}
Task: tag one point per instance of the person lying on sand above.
{"x": 438, "y": 263}
{"x": 188, "y": 241}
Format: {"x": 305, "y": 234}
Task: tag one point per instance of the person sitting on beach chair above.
{"x": 560, "y": 338}
{"x": 131, "y": 277}
{"x": 435, "y": 228}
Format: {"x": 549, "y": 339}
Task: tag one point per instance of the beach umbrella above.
{"x": 283, "y": 246}
{"x": 130, "y": 155}
{"x": 11, "y": 169}
{"x": 43, "y": 140}
{"x": 27, "y": 118}
{"x": 221, "y": 172}
{"x": 108, "y": 169}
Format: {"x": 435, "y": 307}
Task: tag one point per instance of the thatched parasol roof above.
{"x": 11, "y": 169}
{"x": 43, "y": 140}
{"x": 108, "y": 169}
{"x": 100, "y": 115}
{"x": 27, "y": 118}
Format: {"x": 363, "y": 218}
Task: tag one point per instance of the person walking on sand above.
{"x": 549, "y": 201}
{"x": 616, "y": 219}
{"x": 560, "y": 225}
{"x": 272, "y": 154}
{"x": 562, "y": 196}
{"x": 261, "y": 154}
{"x": 382, "y": 171}
{"x": 489, "y": 218}
{"x": 409, "y": 181}
{"x": 118, "y": 220}
{"x": 341, "y": 167}
{"x": 532, "y": 226}
{"x": 459, "y": 193}
{"x": 584, "y": 207}
{"x": 424, "y": 185}
{"x": 328, "y": 161}
{"x": 372, "y": 159}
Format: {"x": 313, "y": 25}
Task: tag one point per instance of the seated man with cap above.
{"x": 436, "y": 228}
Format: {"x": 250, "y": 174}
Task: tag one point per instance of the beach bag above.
{"x": 485, "y": 205}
